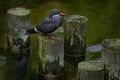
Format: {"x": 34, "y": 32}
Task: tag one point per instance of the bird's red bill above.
{"x": 63, "y": 14}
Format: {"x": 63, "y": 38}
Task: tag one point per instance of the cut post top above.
{"x": 76, "y": 18}
{"x": 90, "y": 66}
{"x": 111, "y": 43}
{"x": 18, "y": 11}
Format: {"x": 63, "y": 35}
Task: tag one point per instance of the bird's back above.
{"x": 47, "y": 26}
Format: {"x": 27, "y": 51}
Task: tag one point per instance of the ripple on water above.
{"x": 94, "y": 48}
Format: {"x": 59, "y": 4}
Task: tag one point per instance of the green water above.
{"x": 103, "y": 22}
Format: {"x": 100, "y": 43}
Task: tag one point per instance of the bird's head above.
{"x": 57, "y": 12}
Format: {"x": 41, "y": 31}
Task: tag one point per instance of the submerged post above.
{"x": 75, "y": 39}
{"x": 90, "y": 70}
{"x": 111, "y": 57}
{"x": 51, "y": 52}
{"x": 18, "y": 43}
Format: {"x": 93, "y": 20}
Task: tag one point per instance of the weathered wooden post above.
{"x": 75, "y": 39}
{"x": 111, "y": 57}
{"x": 18, "y": 43}
{"x": 90, "y": 70}
{"x": 51, "y": 52}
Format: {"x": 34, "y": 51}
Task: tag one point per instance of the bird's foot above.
{"x": 52, "y": 37}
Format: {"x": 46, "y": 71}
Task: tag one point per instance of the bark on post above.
{"x": 111, "y": 57}
{"x": 51, "y": 52}
{"x": 75, "y": 39}
{"x": 90, "y": 70}
{"x": 18, "y": 43}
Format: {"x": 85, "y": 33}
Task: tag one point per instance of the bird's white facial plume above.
{"x": 55, "y": 15}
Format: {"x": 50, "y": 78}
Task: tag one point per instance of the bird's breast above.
{"x": 57, "y": 20}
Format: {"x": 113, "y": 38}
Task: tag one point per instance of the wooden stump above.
{"x": 18, "y": 43}
{"x": 75, "y": 39}
{"x": 111, "y": 57}
{"x": 90, "y": 70}
{"x": 51, "y": 52}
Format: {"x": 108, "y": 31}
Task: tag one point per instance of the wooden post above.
{"x": 75, "y": 39}
{"x": 51, "y": 52}
{"x": 18, "y": 43}
{"x": 90, "y": 70}
{"x": 111, "y": 57}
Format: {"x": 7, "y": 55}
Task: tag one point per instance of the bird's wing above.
{"x": 47, "y": 26}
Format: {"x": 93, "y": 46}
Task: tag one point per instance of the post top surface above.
{"x": 111, "y": 43}
{"x": 90, "y": 66}
{"x": 19, "y": 11}
{"x": 76, "y": 18}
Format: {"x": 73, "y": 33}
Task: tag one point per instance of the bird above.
{"x": 49, "y": 24}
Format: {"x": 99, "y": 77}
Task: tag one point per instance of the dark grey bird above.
{"x": 49, "y": 24}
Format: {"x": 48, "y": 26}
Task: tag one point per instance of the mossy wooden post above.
{"x": 75, "y": 39}
{"x": 51, "y": 52}
{"x": 111, "y": 57}
{"x": 90, "y": 70}
{"x": 18, "y": 43}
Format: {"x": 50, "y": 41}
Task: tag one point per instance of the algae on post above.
{"x": 90, "y": 66}
{"x": 112, "y": 43}
{"x": 51, "y": 54}
{"x": 75, "y": 35}
{"x": 75, "y": 39}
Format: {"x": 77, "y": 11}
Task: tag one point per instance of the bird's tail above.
{"x": 31, "y": 31}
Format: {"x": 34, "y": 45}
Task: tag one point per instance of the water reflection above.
{"x": 93, "y": 52}
{"x": 94, "y": 48}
